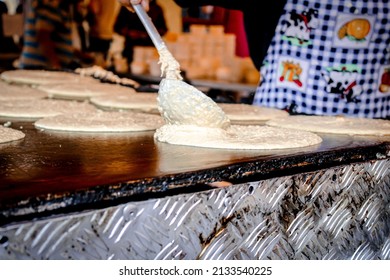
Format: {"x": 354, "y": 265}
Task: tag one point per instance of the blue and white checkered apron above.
{"x": 330, "y": 57}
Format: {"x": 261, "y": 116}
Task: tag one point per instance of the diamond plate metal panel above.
{"x": 337, "y": 213}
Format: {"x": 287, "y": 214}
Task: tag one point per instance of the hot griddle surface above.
{"x": 53, "y": 171}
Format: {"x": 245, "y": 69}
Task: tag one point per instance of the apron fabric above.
{"x": 329, "y": 58}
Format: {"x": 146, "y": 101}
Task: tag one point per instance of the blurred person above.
{"x": 48, "y": 36}
{"x": 80, "y": 13}
{"x": 129, "y": 25}
{"x": 128, "y": 4}
{"x": 19, "y": 7}
{"x": 198, "y": 15}
{"x": 102, "y": 17}
{"x": 7, "y": 43}
{"x": 3, "y": 10}
{"x": 323, "y": 58}
{"x": 318, "y": 57}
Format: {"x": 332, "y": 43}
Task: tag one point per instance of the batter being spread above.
{"x": 194, "y": 119}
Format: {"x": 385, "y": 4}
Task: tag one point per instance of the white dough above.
{"x": 250, "y": 114}
{"x": 334, "y": 124}
{"x": 101, "y": 121}
{"x": 170, "y": 67}
{"x": 42, "y": 77}
{"x": 236, "y": 137}
{"x": 40, "y": 108}
{"x": 82, "y": 91}
{"x": 194, "y": 119}
{"x": 145, "y": 102}
{"x": 102, "y": 74}
{"x": 14, "y": 92}
{"x": 182, "y": 104}
{"x": 9, "y": 134}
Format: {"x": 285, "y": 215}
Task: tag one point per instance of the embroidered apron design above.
{"x": 384, "y": 85}
{"x": 329, "y": 57}
{"x": 297, "y": 28}
{"x": 292, "y": 73}
{"x": 353, "y": 31}
{"x": 343, "y": 81}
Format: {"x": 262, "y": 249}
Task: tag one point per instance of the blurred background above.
{"x": 209, "y": 42}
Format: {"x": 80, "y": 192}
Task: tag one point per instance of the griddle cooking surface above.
{"x": 51, "y": 169}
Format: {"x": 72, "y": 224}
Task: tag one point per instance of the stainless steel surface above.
{"x": 334, "y": 213}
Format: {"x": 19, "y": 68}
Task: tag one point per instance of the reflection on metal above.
{"x": 337, "y": 213}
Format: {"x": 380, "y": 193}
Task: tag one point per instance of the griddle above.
{"x": 51, "y": 173}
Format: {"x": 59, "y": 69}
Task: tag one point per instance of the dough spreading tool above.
{"x": 180, "y": 103}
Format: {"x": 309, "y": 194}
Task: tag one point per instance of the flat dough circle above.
{"x": 101, "y": 121}
{"x": 145, "y": 102}
{"x": 9, "y": 134}
{"x": 334, "y": 124}
{"x": 236, "y": 137}
{"x": 82, "y": 91}
{"x": 42, "y": 77}
{"x": 13, "y": 92}
{"x": 40, "y": 108}
{"x": 245, "y": 113}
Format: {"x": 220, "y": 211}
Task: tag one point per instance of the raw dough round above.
{"x": 82, "y": 91}
{"x": 143, "y": 102}
{"x": 14, "y": 92}
{"x": 101, "y": 121}
{"x": 9, "y": 134}
{"x": 334, "y": 124}
{"x": 39, "y": 108}
{"x": 236, "y": 137}
{"x": 42, "y": 77}
{"x": 250, "y": 114}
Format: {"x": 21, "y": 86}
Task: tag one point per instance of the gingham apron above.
{"x": 329, "y": 58}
